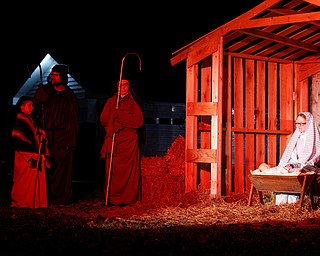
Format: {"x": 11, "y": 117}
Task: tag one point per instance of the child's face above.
{"x": 27, "y": 107}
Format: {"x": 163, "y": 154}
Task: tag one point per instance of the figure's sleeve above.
{"x": 108, "y": 116}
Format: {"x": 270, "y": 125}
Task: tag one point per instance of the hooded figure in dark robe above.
{"x": 57, "y": 108}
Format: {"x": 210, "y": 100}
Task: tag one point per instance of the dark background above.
{"x": 92, "y": 37}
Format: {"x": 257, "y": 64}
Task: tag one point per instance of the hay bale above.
{"x": 163, "y": 177}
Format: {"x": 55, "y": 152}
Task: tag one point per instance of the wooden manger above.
{"x": 300, "y": 184}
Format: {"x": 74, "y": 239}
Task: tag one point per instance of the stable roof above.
{"x": 278, "y": 30}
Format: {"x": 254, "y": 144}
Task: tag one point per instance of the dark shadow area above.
{"x": 89, "y": 231}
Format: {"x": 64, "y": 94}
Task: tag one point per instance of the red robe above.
{"x": 123, "y": 186}
{"x": 29, "y": 188}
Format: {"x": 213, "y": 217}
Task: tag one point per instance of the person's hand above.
{"x": 289, "y": 167}
{"x": 43, "y": 133}
{"x": 117, "y": 126}
{"x": 35, "y": 156}
{"x": 115, "y": 114}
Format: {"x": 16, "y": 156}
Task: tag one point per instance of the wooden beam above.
{"x": 201, "y": 108}
{"x": 259, "y": 131}
{"x": 311, "y": 71}
{"x": 281, "y": 20}
{"x": 201, "y": 155}
{"x": 315, "y": 2}
{"x": 281, "y": 39}
{"x": 254, "y": 57}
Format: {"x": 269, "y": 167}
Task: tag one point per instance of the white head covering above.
{"x": 311, "y": 151}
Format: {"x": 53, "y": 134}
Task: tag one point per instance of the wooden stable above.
{"x": 246, "y": 81}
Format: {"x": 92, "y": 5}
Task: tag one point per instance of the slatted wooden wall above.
{"x": 262, "y": 116}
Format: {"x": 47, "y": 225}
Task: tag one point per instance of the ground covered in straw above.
{"x": 167, "y": 222}
{"x": 190, "y": 225}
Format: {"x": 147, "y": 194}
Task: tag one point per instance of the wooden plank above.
{"x": 228, "y": 180}
{"x": 201, "y": 155}
{"x": 286, "y": 104}
{"x": 261, "y": 58}
{"x": 217, "y": 138}
{"x": 315, "y": 98}
{"x": 315, "y": 2}
{"x": 205, "y": 142}
{"x": 250, "y": 119}
{"x": 304, "y": 96}
{"x": 256, "y": 131}
{"x": 272, "y": 112}
{"x": 260, "y": 112}
{"x": 201, "y": 109}
{"x": 238, "y": 123}
{"x": 280, "y": 20}
{"x": 281, "y": 39}
{"x": 309, "y": 72}
{"x": 191, "y": 128}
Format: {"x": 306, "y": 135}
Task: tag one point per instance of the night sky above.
{"x": 92, "y": 38}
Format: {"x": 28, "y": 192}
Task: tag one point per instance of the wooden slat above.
{"x": 205, "y": 142}
{"x": 201, "y": 109}
{"x": 304, "y": 95}
{"x": 238, "y": 123}
{"x": 282, "y": 39}
{"x": 315, "y": 96}
{"x": 201, "y": 155}
{"x": 311, "y": 71}
{"x": 281, "y": 20}
{"x": 286, "y": 103}
{"x": 191, "y": 128}
{"x": 258, "y": 131}
{"x": 228, "y": 156}
{"x": 272, "y": 112}
{"x": 260, "y": 113}
{"x": 217, "y": 138}
{"x": 255, "y": 57}
{"x": 250, "y": 119}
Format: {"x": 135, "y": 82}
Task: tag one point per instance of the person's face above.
{"x": 55, "y": 77}
{"x": 27, "y": 107}
{"x": 301, "y": 124}
{"x": 124, "y": 88}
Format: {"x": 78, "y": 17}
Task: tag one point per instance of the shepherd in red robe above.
{"x": 121, "y": 117}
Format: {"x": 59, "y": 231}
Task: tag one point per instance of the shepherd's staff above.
{"x": 117, "y": 107}
{"x": 38, "y": 166}
{"x": 43, "y": 121}
{"x": 41, "y": 137}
